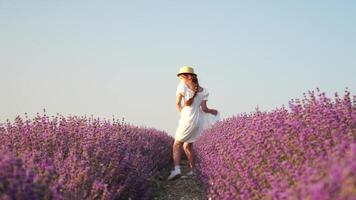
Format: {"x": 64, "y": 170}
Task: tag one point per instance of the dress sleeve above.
{"x": 181, "y": 89}
{"x": 206, "y": 95}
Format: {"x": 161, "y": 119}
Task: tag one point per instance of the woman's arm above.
{"x": 178, "y": 102}
{"x": 205, "y": 108}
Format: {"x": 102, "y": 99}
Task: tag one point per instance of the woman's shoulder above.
{"x": 181, "y": 85}
{"x": 202, "y": 89}
{"x": 205, "y": 91}
{"x": 181, "y": 88}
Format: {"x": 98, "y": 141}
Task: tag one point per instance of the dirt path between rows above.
{"x": 183, "y": 188}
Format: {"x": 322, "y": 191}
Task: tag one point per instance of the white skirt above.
{"x": 192, "y": 124}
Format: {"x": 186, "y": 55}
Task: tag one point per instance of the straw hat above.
{"x": 186, "y": 70}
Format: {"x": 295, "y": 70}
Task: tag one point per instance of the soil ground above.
{"x": 183, "y": 188}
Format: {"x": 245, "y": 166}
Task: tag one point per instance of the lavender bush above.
{"x": 18, "y": 183}
{"x": 328, "y": 178}
{"x": 306, "y": 152}
{"x": 88, "y": 158}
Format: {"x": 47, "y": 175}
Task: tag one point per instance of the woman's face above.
{"x": 185, "y": 78}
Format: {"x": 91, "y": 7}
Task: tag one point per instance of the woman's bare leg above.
{"x": 188, "y": 151}
{"x": 176, "y": 159}
{"x": 176, "y": 152}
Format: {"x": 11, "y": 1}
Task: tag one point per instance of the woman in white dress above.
{"x": 195, "y": 117}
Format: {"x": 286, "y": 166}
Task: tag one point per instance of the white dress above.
{"x": 193, "y": 120}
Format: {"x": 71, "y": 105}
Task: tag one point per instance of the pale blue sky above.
{"x": 121, "y": 57}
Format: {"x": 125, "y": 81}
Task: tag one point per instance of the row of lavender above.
{"x": 79, "y": 158}
{"x": 306, "y": 152}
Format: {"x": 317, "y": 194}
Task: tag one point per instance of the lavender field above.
{"x": 79, "y": 158}
{"x": 306, "y": 152}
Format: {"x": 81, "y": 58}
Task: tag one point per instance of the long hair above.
{"x": 195, "y": 81}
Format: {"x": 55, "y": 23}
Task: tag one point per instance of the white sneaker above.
{"x": 174, "y": 174}
{"x": 191, "y": 173}
{"x": 188, "y": 175}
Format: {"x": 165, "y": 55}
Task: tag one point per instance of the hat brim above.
{"x": 186, "y": 73}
